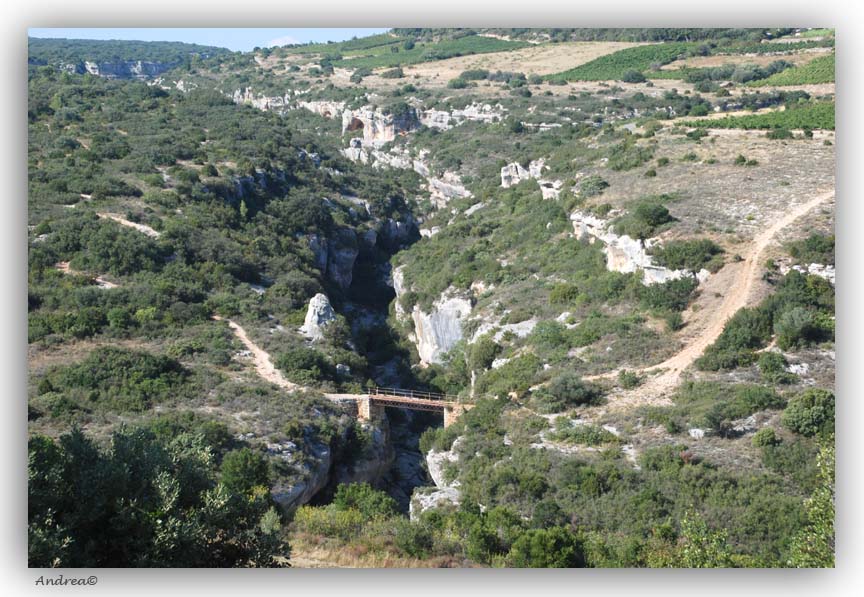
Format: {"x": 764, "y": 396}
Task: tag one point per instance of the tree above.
{"x": 242, "y": 470}
{"x": 813, "y": 547}
{"x": 142, "y": 502}
{"x": 810, "y": 413}
{"x": 557, "y": 547}
{"x": 699, "y": 546}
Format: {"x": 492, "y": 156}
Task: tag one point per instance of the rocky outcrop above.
{"x": 520, "y": 329}
{"x": 318, "y": 315}
{"x": 335, "y": 256}
{"x": 438, "y": 331}
{"x": 449, "y": 186}
{"x": 443, "y": 493}
{"x": 375, "y": 461}
{"x": 315, "y": 476}
{"x": 122, "y": 69}
{"x": 443, "y": 120}
{"x": 625, "y": 254}
{"x": 261, "y": 102}
{"x": 341, "y": 255}
{"x": 379, "y": 128}
{"x": 323, "y": 108}
{"x": 826, "y": 272}
{"x": 514, "y": 173}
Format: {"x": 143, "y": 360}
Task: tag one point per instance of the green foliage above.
{"x": 810, "y": 115}
{"x": 393, "y": 73}
{"x": 614, "y": 66}
{"x": 814, "y": 545}
{"x": 701, "y": 547}
{"x": 765, "y": 437}
{"x": 141, "y": 502}
{"x": 457, "y": 83}
{"x": 565, "y": 391}
{"x": 243, "y": 470}
{"x": 591, "y": 186}
{"x": 633, "y": 76}
{"x": 800, "y": 307}
{"x": 119, "y": 380}
{"x": 644, "y": 218}
{"x": 811, "y": 413}
{"x": 627, "y": 155}
{"x": 424, "y": 52}
{"x": 691, "y": 254}
{"x": 671, "y": 296}
{"x": 588, "y": 435}
{"x": 816, "y": 248}
{"x": 556, "y": 547}
{"x": 305, "y": 365}
{"x": 772, "y": 367}
{"x": 364, "y": 499}
{"x": 817, "y": 71}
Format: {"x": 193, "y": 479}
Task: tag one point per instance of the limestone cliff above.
{"x": 625, "y": 254}
{"x": 438, "y": 331}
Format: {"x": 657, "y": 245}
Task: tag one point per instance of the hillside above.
{"x": 611, "y": 250}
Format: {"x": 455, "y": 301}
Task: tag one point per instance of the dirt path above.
{"x": 261, "y": 359}
{"x": 710, "y": 321}
{"x": 101, "y": 282}
{"x": 124, "y": 222}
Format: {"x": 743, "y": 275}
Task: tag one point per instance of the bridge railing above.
{"x": 378, "y": 391}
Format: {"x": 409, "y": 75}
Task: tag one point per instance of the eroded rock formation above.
{"x": 318, "y": 315}
{"x": 625, "y": 254}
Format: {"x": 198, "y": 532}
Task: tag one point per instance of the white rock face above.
{"x": 625, "y": 254}
{"x": 318, "y": 314}
{"x": 443, "y": 120}
{"x": 514, "y": 173}
{"x": 315, "y": 479}
{"x": 520, "y": 330}
{"x": 324, "y": 108}
{"x": 826, "y": 272}
{"x": 425, "y": 498}
{"x": 449, "y": 186}
{"x": 437, "y": 332}
{"x": 378, "y": 128}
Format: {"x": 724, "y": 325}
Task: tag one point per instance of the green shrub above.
{"x": 810, "y": 413}
{"x": 557, "y": 547}
{"x": 629, "y": 379}
{"x": 457, "y": 83}
{"x": 772, "y": 367}
{"x": 242, "y": 470}
{"x": 393, "y": 73}
{"x": 644, "y": 218}
{"x": 593, "y": 185}
{"x": 369, "y": 502}
{"x": 765, "y": 437}
{"x": 565, "y": 391}
{"x": 633, "y": 76}
{"x": 691, "y": 255}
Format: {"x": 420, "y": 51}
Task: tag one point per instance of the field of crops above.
{"x": 771, "y": 47}
{"x": 818, "y": 70}
{"x": 817, "y": 115}
{"x": 613, "y": 66}
{"x": 472, "y": 44}
{"x": 351, "y": 45}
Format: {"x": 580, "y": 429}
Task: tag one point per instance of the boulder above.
{"x": 318, "y": 314}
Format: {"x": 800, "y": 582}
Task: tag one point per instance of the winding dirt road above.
{"x": 710, "y": 322}
{"x": 260, "y": 358}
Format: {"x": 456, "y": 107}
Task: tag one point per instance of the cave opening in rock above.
{"x": 355, "y": 125}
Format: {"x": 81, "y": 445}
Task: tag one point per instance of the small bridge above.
{"x": 370, "y": 406}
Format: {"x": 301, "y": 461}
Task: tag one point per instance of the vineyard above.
{"x": 613, "y": 66}
{"x": 818, "y": 115}
{"x": 463, "y": 46}
{"x": 819, "y": 70}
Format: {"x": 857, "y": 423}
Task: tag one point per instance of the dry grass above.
{"x": 308, "y": 551}
{"x": 798, "y": 58}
